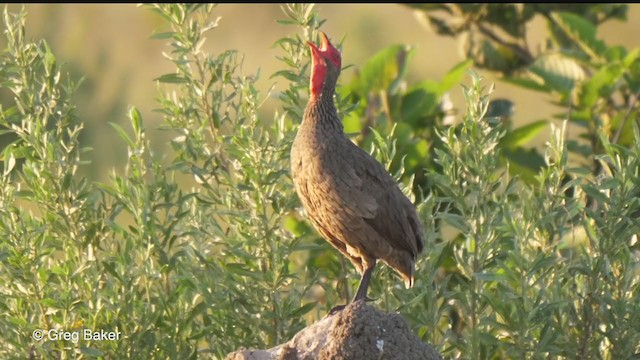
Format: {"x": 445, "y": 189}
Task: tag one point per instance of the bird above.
{"x": 350, "y": 197}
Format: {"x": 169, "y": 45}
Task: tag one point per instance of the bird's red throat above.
{"x": 319, "y": 57}
{"x": 318, "y": 72}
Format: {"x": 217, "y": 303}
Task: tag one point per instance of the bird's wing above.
{"x": 352, "y": 189}
{"x": 345, "y": 189}
{"x": 396, "y": 219}
{"x": 362, "y": 187}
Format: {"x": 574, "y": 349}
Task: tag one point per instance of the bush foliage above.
{"x": 205, "y": 249}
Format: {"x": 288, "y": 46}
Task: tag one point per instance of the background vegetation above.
{"x": 198, "y": 248}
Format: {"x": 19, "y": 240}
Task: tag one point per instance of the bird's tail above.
{"x": 403, "y": 263}
{"x": 408, "y": 281}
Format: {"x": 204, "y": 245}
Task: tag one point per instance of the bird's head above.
{"x": 326, "y": 63}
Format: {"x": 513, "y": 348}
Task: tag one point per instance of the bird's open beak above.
{"x": 325, "y": 44}
{"x": 315, "y": 52}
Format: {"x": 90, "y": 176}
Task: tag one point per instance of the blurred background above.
{"x": 110, "y": 46}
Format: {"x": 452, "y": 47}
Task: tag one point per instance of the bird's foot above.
{"x": 336, "y": 309}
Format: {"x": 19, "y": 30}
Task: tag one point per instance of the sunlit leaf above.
{"x": 558, "y": 72}
{"x": 523, "y": 134}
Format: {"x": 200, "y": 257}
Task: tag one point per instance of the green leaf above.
{"x": 526, "y": 83}
{"x": 301, "y": 311}
{"x": 162, "y": 35}
{"x": 609, "y": 183}
{"x": 171, "y": 79}
{"x": 601, "y": 84}
{"x": 197, "y": 310}
{"x": 122, "y": 133}
{"x": 631, "y": 57}
{"x": 136, "y": 119}
{"x": 456, "y": 221}
{"x": 286, "y": 22}
{"x": 52, "y": 303}
{"x": 287, "y": 74}
{"x": 490, "y": 276}
{"x": 384, "y": 71}
{"x": 240, "y": 269}
{"x": 595, "y": 193}
{"x": 523, "y": 134}
{"x": 454, "y": 76}
{"x": 542, "y": 262}
{"x": 558, "y": 71}
{"x": 419, "y": 102}
{"x": 9, "y": 162}
{"x": 280, "y": 42}
{"x": 378, "y": 139}
{"x": 615, "y": 53}
{"x": 496, "y": 57}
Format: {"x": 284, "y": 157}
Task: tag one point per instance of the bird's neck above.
{"x": 321, "y": 111}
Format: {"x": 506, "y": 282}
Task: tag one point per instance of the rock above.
{"x": 359, "y": 331}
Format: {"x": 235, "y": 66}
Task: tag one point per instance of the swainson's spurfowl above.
{"x": 349, "y": 196}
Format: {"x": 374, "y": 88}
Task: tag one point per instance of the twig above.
{"x": 522, "y": 53}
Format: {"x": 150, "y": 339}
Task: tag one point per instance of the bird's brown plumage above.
{"x": 349, "y": 196}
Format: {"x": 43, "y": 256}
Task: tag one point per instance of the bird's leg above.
{"x": 361, "y": 294}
